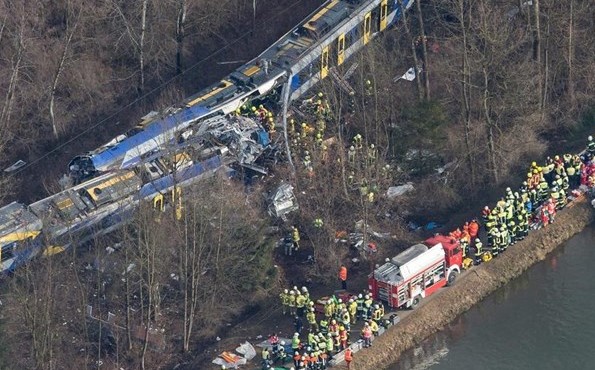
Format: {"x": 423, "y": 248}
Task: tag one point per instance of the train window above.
{"x": 324, "y": 63}
{"x": 340, "y": 49}
{"x": 383, "y": 14}
{"x": 7, "y": 252}
{"x": 367, "y": 25}
{"x": 375, "y": 25}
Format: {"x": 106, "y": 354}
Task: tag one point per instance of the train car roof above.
{"x": 188, "y": 174}
{"x": 314, "y": 28}
{"x": 152, "y": 130}
{"x": 87, "y": 197}
{"x": 15, "y": 218}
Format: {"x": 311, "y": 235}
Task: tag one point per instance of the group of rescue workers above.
{"x": 306, "y": 137}
{"x": 533, "y": 206}
{"x": 261, "y": 114}
{"x": 329, "y": 321}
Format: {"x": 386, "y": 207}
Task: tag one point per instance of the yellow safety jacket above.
{"x": 300, "y": 301}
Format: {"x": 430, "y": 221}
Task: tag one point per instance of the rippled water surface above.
{"x": 543, "y": 320}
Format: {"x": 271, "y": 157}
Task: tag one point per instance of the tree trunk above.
{"x": 420, "y": 90}
{"x": 141, "y": 48}
{"x": 546, "y": 70}
{"x": 537, "y": 51}
{"x": 426, "y": 71}
{"x": 180, "y": 34}
{"x": 14, "y": 77}
{"x": 57, "y": 78}
{"x": 466, "y": 92}
{"x": 491, "y": 145}
{"x": 571, "y": 92}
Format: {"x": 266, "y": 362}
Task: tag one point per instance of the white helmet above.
{"x": 282, "y": 342}
{"x": 360, "y": 296}
{"x": 477, "y": 240}
{"x": 292, "y": 292}
{"x": 286, "y": 291}
{"x": 296, "y": 334}
{"x": 590, "y": 138}
{"x": 304, "y": 289}
{"x": 508, "y": 189}
{"x": 294, "y": 287}
{"x": 376, "y": 306}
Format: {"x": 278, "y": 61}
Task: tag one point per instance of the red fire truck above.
{"x": 417, "y": 272}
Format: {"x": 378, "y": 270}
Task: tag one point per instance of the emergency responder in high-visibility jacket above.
{"x": 464, "y": 247}
{"x": 478, "y": 251}
{"x": 352, "y": 308}
{"x": 561, "y": 201}
{"x": 346, "y": 318}
{"x": 497, "y": 241}
{"x": 377, "y": 313}
{"x": 295, "y": 342}
{"x": 311, "y": 317}
{"x": 343, "y": 277}
{"x": 300, "y": 303}
{"x": 330, "y": 348}
{"x": 522, "y": 226}
{"x": 512, "y": 231}
{"x": 374, "y": 327}
{"x": 291, "y": 303}
{"x": 501, "y": 214}
{"x": 284, "y": 297}
{"x": 295, "y": 237}
{"x": 311, "y": 339}
{"x": 509, "y": 210}
{"x": 505, "y": 237}
{"x": 534, "y": 198}
{"x": 328, "y": 309}
{"x": 360, "y": 305}
{"x": 324, "y": 326}
{"x": 543, "y": 190}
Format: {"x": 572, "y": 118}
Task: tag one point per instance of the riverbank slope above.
{"x": 473, "y": 287}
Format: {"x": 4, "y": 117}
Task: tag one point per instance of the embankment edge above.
{"x": 473, "y": 287}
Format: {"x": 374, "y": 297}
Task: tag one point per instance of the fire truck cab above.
{"x": 417, "y": 272}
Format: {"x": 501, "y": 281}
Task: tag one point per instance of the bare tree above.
{"x": 70, "y": 31}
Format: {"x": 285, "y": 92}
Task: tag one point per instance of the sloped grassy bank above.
{"x": 473, "y": 287}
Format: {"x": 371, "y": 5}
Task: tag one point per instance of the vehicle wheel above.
{"x": 452, "y": 277}
{"x": 415, "y": 302}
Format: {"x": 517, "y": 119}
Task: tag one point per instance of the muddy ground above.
{"x": 472, "y": 287}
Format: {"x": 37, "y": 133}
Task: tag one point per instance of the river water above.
{"x": 545, "y": 319}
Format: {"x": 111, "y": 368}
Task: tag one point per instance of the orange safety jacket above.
{"x": 348, "y": 355}
{"x": 343, "y": 273}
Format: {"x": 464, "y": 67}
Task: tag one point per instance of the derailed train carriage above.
{"x": 113, "y": 179}
{"x": 286, "y": 70}
{"x": 103, "y": 204}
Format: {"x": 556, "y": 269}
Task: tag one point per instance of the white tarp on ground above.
{"x": 397, "y": 191}
{"x": 247, "y": 350}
